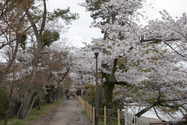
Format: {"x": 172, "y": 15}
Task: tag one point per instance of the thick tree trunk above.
{"x": 48, "y": 98}
{"x": 50, "y": 94}
{"x": 108, "y": 94}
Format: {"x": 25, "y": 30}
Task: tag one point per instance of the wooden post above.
{"x": 118, "y": 117}
{"x": 104, "y": 115}
{"x": 83, "y": 104}
{"x": 93, "y": 115}
{"x": 90, "y": 113}
{"x": 126, "y": 111}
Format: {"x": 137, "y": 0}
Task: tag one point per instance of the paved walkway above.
{"x": 68, "y": 112}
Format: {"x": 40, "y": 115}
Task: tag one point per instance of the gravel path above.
{"x": 68, "y": 112}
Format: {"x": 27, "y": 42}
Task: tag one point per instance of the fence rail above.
{"x": 91, "y": 111}
{"x": 129, "y": 119}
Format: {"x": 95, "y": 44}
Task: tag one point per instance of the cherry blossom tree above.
{"x": 171, "y": 34}
{"x": 59, "y": 59}
{"x": 114, "y": 18}
{"x": 155, "y": 70}
{"x": 168, "y": 31}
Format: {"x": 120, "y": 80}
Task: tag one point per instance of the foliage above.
{"x": 4, "y": 102}
{"x": 91, "y": 94}
{"x": 64, "y": 14}
{"x": 22, "y": 41}
{"x": 48, "y": 37}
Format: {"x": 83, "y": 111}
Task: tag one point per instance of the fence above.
{"x": 91, "y": 111}
{"x": 129, "y": 119}
{"x": 87, "y": 107}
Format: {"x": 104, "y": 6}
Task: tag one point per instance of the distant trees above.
{"x": 24, "y": 22}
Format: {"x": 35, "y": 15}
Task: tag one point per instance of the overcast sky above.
{"x": 80, "y": 29}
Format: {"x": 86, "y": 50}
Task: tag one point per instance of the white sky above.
{"x": 80, "y": 29}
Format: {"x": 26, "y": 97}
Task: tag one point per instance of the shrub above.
{"x": 4, "y": 102}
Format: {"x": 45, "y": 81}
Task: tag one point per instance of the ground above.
{"x": 68, "y": 112}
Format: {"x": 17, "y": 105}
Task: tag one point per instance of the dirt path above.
{"x": 68, "y": 112}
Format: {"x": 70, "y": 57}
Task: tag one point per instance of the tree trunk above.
{"x": 108, "y": 94}
{"x": 48, "y": 98}
{"x": 32, "y": 86}
{"x": 50, "y": 94}
{"x": 33, "y": 102}
{"x": 56, "y": 94}
{"x": 9, "y": 103}
{"x": 25, "y": 104}
{"x": 39, "y": 102}
{"x": 59, "y": 92}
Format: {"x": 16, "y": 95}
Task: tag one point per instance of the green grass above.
{"x": 100, "y": 122}
{"x": 34, "y": 115}
{"x": 109, "y": 122}
{"x": 84, "y": 112}
{"x": 112, "y": 122}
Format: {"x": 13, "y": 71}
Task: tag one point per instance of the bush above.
{"x": 4, "y": 102}
{"x": 90, "y": 97}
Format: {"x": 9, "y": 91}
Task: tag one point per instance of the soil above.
{"x": 68, "y": 112}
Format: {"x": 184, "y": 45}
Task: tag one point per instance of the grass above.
{"x": 109, "y": 122}
{"x": 84, "y": 112}
{"x": 34, "y": 115}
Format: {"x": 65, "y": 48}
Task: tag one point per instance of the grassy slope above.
{"x": 34, "y": 115}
